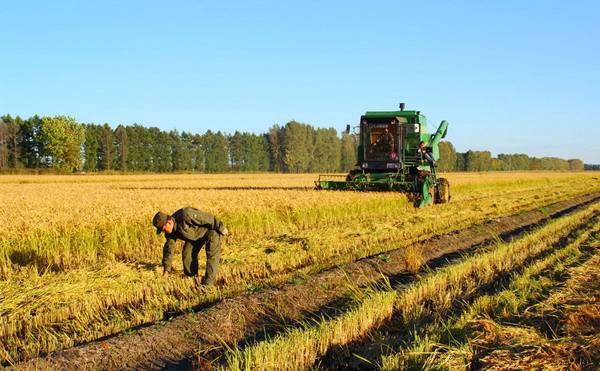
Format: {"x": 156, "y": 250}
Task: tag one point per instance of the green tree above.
{"x": 237, "y": 151}
{"x": 185, "y": 158}
{"x": 107, "y": 148}
{"x": 327, "y": 151}
{"x": 3, "y": 144}
{"x": 554, "y": 163}
{"x": 12, "y": 140}
{"x": 575, "y": 164}
{"x": 91, "y": 146}
{"x": 14, "y": 143}
{"x": 31, "y": 144}
{"x": 122, "y": 148}
{"x": 298, "y": 146}
{"x": 460, "y": 162}
{"x": 198, "y": 161}
{"x": 497, "y": 165}
{"x": 348, "y": 152}
{"x": 448, "y": 157}
{"x": 161, "y": 147}
{"x": 62, "y": 139}
{"x": 177, "y": 151}
{"x": 513, "y": 162}
{"x": 215, "y": 152}
{"x": 275, "y": 141}
{"x": 139, "y": 154}
{"x": 478, "y": 161}
{"x": 258, "y": 152}
{"x": 535, "y": 164}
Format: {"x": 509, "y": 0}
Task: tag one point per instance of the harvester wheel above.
{"x": 442, "y": 191}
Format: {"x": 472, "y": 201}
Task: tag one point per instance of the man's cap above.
{"x": 159, "y": 221}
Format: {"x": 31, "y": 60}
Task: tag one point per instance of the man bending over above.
{"x": 196, "y": 228}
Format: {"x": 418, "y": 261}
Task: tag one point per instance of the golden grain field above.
{"x": 79, "y": 259}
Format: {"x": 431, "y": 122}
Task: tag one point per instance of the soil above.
{"x": 197, "y": 339}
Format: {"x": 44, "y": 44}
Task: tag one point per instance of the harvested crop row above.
{"x": 515, "y": 330}
{"x": 435, "y": 292}
{"x": 449, "y": 342}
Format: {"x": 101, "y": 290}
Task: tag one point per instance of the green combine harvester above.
{"x": 395, "y": 153}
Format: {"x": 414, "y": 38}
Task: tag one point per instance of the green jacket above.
{"x": 191, "y": 225}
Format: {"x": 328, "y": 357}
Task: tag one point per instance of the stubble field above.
{"x": 308, "y": 278}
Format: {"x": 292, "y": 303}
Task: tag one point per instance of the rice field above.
{"x": 79, "y": 260}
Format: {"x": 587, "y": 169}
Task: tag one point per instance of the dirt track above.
{"x": 196, "y": 338}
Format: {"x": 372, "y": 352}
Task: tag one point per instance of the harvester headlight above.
{"x": 364, "y": 165}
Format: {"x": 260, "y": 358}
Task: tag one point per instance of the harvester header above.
{"x": 395, "y": 153}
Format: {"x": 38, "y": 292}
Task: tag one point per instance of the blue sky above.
{"x": 509, "y": 76}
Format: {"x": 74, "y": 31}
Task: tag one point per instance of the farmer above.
{"x": 385, "y": 143}
{"x": 197, "y": 228}
{"x": 424, "y": 154}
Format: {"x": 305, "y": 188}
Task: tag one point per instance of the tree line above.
{"x": 62, "y": 143}
{"x": 450, "y": 160}
{"x": 592, "y": 167}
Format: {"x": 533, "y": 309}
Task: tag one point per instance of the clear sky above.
{"x": 509, "y": 76}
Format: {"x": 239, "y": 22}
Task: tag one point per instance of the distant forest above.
{"x": 63, "y": 144}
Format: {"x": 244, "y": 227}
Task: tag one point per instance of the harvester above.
{"x": 395, "y": 153}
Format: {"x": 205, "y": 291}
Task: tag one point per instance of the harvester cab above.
{"x": 395, "y": 153}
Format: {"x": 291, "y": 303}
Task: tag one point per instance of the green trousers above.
{"x": 190, "y": 252}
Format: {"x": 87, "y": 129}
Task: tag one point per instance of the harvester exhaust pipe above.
{"x": 402, "y": 105}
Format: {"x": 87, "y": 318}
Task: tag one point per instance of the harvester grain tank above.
{"x": 395, "y": 153}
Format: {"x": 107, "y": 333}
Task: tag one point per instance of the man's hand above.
{"x": 165, "y": 272}
{"x": 225, "y": 232}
